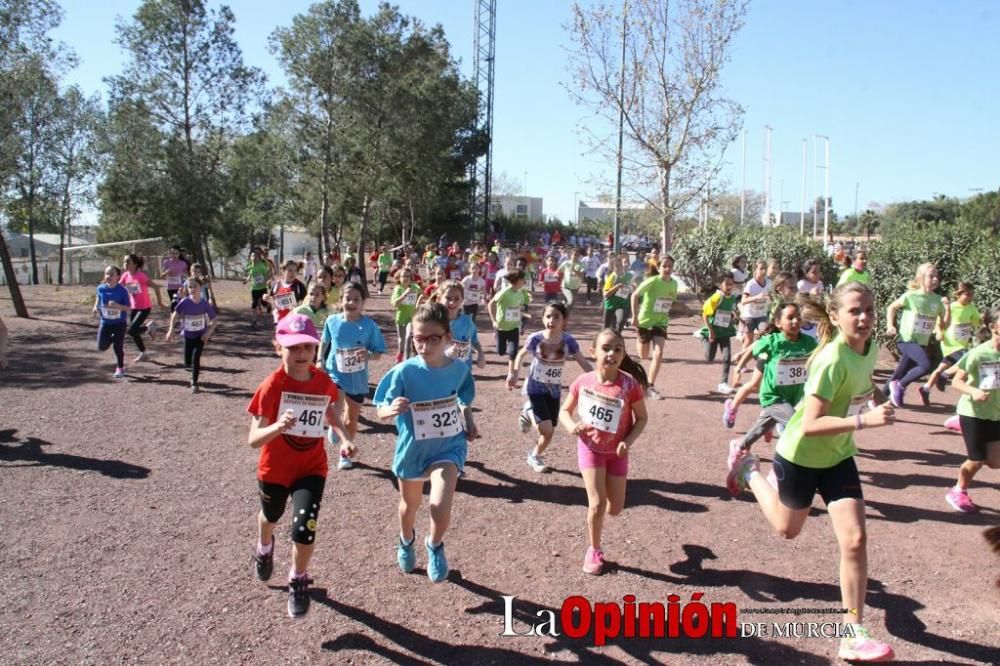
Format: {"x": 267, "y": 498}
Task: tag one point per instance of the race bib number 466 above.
{"x": 309, "y": 410}
{"x": 600, "y": 411}
{"x": 436, "y": 419}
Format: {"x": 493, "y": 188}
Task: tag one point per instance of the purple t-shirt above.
{"x": 194, "y": 317}
{"x": 175, "y": 269}
{"x": 545, "y": 374}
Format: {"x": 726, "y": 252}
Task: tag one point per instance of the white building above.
{"x": 517, "y": 207}
{"x": 46, "y": 245}
{"x": 604, "y": 211}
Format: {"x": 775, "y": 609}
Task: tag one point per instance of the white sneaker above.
{"x": 151, "y": 331}
{"x": 345, "y": 463}
{"x": 141, "y": 357}
{"x": 653, "y": 394}
{"x": 725, "y": 389}
{"x": 119, "y": 373}
{"x": 537, "y": 463}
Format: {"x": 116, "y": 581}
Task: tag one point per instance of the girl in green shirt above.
{"x": 404, "y": 302}
{"x": 616, "y": 290}
{"x": 816, "y": 451}
{"x": 957, "y": 339}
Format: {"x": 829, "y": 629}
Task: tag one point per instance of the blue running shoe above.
{"x": 437, "y": 563}
{"x": 405, "y": 556}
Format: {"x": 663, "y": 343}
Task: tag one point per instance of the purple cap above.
{"x": 296, "y": 329}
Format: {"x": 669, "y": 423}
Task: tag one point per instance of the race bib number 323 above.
{"x": 436, "y": 419}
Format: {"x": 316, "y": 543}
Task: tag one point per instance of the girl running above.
{"x": 651, "y": 303}
{"x": 957, "y": 339}
{"x": 287, "y": 292}
{"x": 718, "y": 314}
{"x": 786, "y": 353}
{"x": 857, "y": 272}
{"x": 923, "y": 311}
{"x": 289, "y": 410}
{"x": 174, "y": 269}
{"x": 137, "y": 284}
{"x": 112, "y": 305}
{"x": 430, "y": 396}
{"x": 754, "y": 304}
{"x": 978, "y": 380}
{"x": 197, "y": 325}
{"x": 609, "y": 402}
{"x": 259, "y": 277}
{"x": 315, "y": 306}
{"x": 783, "y": 291}
{"x": 572, "y": 272}
{"x": 551, "y": 280}
{"x": 505, "y": 309}
{"x": 474, "y": 286}
{"x": 384, "y": 264}
{"x": 617, "y": 294}
{"x": 810, "y": 284}
{"x": 738, "y": 271}
{"x": 404, "y": 301}
{"x": 349, "y": 341}
{"x": 549, "y": 349}
{"x": 464, "y": 336}
{"x": 816, "y": 451}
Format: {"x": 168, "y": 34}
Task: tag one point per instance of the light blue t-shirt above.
{"x": 553, "y": 362}
{"x": 434, "y": 395}
{"x": 117, "y": 294}
{"x": 464, "y": 337}
{"x": 342, "y": 365}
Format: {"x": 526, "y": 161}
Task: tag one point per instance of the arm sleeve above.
{"x": 467, "y": 388}
{"x": 389, "y": 388}
{"x": 712, "y": 304}
{"x": 376, "y": 342}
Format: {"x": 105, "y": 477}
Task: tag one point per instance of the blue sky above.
{"x": 907, "y": 90}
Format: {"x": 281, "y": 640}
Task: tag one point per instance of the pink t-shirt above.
{"x": 137, "y": 286}
{"x": 605, "y": 407}
{"x": 175, "y": 270}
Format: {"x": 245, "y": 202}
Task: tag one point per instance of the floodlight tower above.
{"x": 484, "y": 52}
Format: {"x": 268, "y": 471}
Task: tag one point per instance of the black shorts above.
{"x": 257, "y": 298}
{"x": 761, "y": 364}
{"x": 978, "y": 435}
{"x": 358, "y": 398}
{"x": 307, "y": 495}
{"x": 754, "y": 324}
{"x": 797, "y": 485}
{"x": 545, "y": 407}
{"x": 953, "y": 358}
{"x": 552, "y": 297}
{"x": 647, "y": 334}
{"x": 508, "y": 342}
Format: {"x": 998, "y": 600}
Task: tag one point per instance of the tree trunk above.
{"x": 64, "y": 218}
{"x": 208, "y": 259}
{"x": 15, "y": 289}
{"x": 413, "y": 225}
{"x": 362, "y": 232}
{"x": 31, "y": 238}
{"x": 667, "y": 216}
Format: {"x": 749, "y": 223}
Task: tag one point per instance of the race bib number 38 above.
{"x": 600, "y": 411}
{"x": 790, "y": 371}
{"x": 309, "y": 410}
{"x": 436, "y": 419}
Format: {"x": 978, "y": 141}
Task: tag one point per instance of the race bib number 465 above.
{"x": 600, "y": 411}
{"x": 436, "y": 419}
{"x": 309, "y": 410}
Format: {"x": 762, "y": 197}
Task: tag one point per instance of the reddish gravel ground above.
{"x": 128, "y": 515}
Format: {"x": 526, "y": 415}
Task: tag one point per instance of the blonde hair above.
{"x": 918, "y": 280}
{"x": 446, "y": 286}
{"x": 821, "y": 309}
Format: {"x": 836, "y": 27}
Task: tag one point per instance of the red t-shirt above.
{"x": 603, "y": 406}
{"x": 289, "y": 457}
{"x": 551, "y": 281}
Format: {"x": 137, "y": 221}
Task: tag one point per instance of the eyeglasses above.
{"x": 430, "y": 339}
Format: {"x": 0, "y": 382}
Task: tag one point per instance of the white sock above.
{"x": 749, "y": 474}
{"x": 264, "y": 550}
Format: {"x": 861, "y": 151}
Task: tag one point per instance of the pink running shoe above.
{"x": 954, "y": 424}
{"x": 959, "y": 501}
{"x": 728, "y": 414}
{"x": 593, "y": 561}
{"x": 864, "y": 648}
{"x": 736, "y": 479}
{"x": 736, "y": 453}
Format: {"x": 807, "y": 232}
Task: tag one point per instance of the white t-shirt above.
{"x": 807, "y": 287}
{"x": 592, "y": 264}
{"x": 758, "y": 309}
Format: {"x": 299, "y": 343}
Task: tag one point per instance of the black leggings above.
{"x": 471, "y": 310}
{"x": 192, "y": 356}
{"x": 615, "y": 319}
{"x": 137, "y": 327}
{"x": 307, "y": 495}
{"x": 710, "y": 349}
{"x": 109, "y": 335}
{"x": 172, "y": 295}
{"x": 914, "y": 363}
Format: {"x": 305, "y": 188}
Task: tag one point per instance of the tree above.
{"x": 725, "y": 207}
{"x": 505, "y": 184}
{"x": 983, "y": 210}
{"x": 185, "y": 94}
{"x": 676, "y": 123}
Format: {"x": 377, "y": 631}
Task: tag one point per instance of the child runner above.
{"x": 464, "y": 336}
{"x": 310, "y": 266}
{"x": 490, "y": 269}
{"x": 816, "y": 452}
{"x": 349, "y": 341}
{"x": 549, "y": 349}
{"x": 384, "y": 263}
{"x": 978, "y": 379}
{"x": 112, "y": 304}
{"x": 617, "y": 294}
{"x": 430, "y": 397}
{"x": 718, "y": 314}
{"x": 783, "y": 291}
{"x": 474, "y": 286}
{"x": 404, "y": 301}
{"x": 739, "y": 274}
{"x": 174, "y": 269}
{"x": 332, "y": 277}
{"x": 754, "y": 304}
{"x": 289, "y": 410}
{"x": 786, "y": 353}
{"x": 591, "y": 263}
{"x": 810, "y": 284}
{"x": 651, "y": 303}
{"x": 315, "y": 306}
{"x": 197, "y": 324}
{"x": 551, "y": 279}
{"x": 505, "y": 309}
{"x": 957, "y": 339}
{"x": 857, "y": 272}
{"x": 609, "y": 402}
{"x": 923, "y": 310}
{"x": 137, "y": 284}
{"x": 355, "y": 275}
{"x": 287, "y": 292}
{"x": 572, "y": 272}
{"x": 259, "y": 277}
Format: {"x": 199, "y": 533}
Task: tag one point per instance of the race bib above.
{"x": 989, "y": 376}
{"x": 410, "y": 298}
{"x": 351, "y": 360}
{"x": 355, "y": 278}
{"x": 174, "y": 281}
{"x": 551, "y": 277}
{"x": 624, "y": 291}
{"x": 722, "y": 318}
{"x": 512, "y": 314}
{"x": 472, "y": 296}
{"x": 859, "y": 404}
{"x": 309, "y": 410}
{"x": 547, "y": 372}
{"x": 600, "y": 411}
{"x": 460, "y": 351}
{"x": 284, "y": 301}
{"x": 923, "y": 325}
{"x": 110, "y": 313}
{"x": 133, "y": 287}
{"x": 962, "y": 333}
{"x": 755, "y": 310}
{"x": 194, "y": 323}
{"x": 456, "y": 275}
{"x": 791, "y": 371}
{"x": 258, "y": 280}
{"x": 436, "y": 419}
{"x": 662, "y": 305}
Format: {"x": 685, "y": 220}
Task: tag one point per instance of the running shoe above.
{"x": 895, "y": 393}
{"x": 120, "y": 373}
{"x": 953, "y": 423}
{"x": 405, "y": 554}
{"x": 925, "y": 395}
{"x": 942, "y": 383}
{"x": 728, "y": 414}
{"x": 143, "y": 356}
{"x": 298, "y": 596}
{"x": 864, "y": 648}
{"x": 734, "y": 466}
{"x": 264, "y": 564}
{"x": 195, "y": 389}
{"x": 736, "y": 479}
{"x": 537, "y": 463}
{"x": 345, "y": 463}
{"x": 653, "y": 394}
{"x": 523, "y": 422}
{"x": 725, "y": 389}
{"x": 437, "y": 563}
{"x": 151, "y": 331}
{"x": 959, "y": 501}
{"x": 593, "y": 561}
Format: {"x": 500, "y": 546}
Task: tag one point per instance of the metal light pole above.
{"x": 857, "y": 187}
{"x": 621, "y": 134}
{"x": 767, "y": 176}
{"x": 743, "y": 185}
{"x": 802, "y": 211}
{"x": 576, "y": 210}
{"x": 826, "y": 193}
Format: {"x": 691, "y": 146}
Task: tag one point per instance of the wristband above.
{"x": 858, "y": 423}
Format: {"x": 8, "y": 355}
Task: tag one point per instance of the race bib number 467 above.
{"x": 309, "y": 410}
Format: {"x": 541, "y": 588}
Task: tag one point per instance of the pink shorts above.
{"x": 587, "y": 458}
